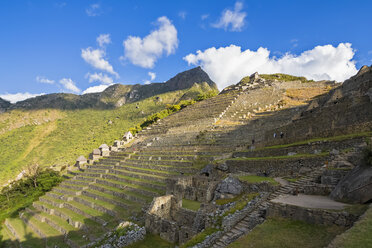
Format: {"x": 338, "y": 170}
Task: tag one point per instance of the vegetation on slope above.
{"x": 278, "y": 232}
{"x": 279, "y": 77}
{"x": 22, "y": 193}
{"x": 58, "y": 141}
{"x": 357, "y": 236}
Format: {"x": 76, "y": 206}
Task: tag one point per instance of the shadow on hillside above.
{"x": 90, "y": 231}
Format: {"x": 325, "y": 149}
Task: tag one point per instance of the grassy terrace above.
{"x": 191, "y": 205}
{"x": 299, "y": 155}
{"x": 285, "y": 233}
{"x": 334, "y": 138}
{"x": 359, "y": 235}
{"x": 257, "y": 179}
{"x": 68, "y": 134}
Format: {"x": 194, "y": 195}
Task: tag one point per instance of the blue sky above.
{"x": 51, "y": 46}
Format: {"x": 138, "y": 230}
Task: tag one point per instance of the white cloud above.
{"x": 227, "y": 65}
{"x": 95, "y": 57}
{"x": 99, "y": 77}
{"x": 70, "y": 85}
{"x": 232, "y": 20}
{"x": 182, "y": 14}
{"x": 145, "y": 52}
{"x": 13, "y": 98}
{"x": 95, "y": 89}
{"x": 44, "y": 80}
{"x": 152, "y": 75}
{"x": 103, "y": 40}
{"x": 93, "y": 10}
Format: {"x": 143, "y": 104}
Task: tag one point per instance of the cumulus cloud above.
{"x": 69, "y": 85}
{"x": 96, "y": 58}
{"x": 95, "y": 89}
{"x": 93, "y": 10}
{"x": 152, "y": 77}
{"x": 227, "y": 65}
{"x": 103, "y": 40}
{"x": 99, "y": 77}
{"x": 146, "y": 51}
{"x": 232, "y": 20}
{"x": 44, "y": 80}
{"x": 13, "y": 98}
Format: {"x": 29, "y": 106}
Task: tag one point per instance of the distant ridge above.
{"x": 115, "y": 95}
{"x": 4, "y": 105}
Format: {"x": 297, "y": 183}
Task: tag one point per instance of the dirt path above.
{"x": 42, "y": 132}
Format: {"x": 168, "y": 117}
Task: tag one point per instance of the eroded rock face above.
{"x": 229, "y": 187}
{"x": 355, "y": 187}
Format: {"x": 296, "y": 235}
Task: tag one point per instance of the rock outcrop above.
{"x": 4, "y": 105}
{"x": 355, "y": 187}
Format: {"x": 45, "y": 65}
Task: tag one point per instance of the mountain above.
{"x": 4, "y": 105}
{"x": 55, "y": 129}
{"x": 118, "y": 94}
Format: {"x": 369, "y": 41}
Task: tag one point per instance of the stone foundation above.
{"x": 313, "y": 216}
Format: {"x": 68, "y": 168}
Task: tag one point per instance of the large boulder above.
{"x": 355, "y": 187}
{"x": 227, "y": 188}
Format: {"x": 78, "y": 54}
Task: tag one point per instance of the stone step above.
{"x": 130, "y": 187}
{"x": 139, "y": 175}
{"x": 147, "y": 171}
{"x": 153, "y": 161}
{"x": 136, "y": 181}
{"x": 125, "y": 194}
{"x": 51, "y": 237}
{"x": 23, "y": 233}
{"x": 97, "y": 195}
{"x": 165, "y": 168}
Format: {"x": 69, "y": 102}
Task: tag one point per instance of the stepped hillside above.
{"x": 52, "y": 130}
{"x": 219, "y": 171}
{"x": 118, "y": 94}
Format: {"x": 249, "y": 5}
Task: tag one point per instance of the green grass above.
{"x": 228, "y": 200}
{"x": 359, "y": 235}
{"x": 151, "y": 241}
{"x": 241, "y": 203}
{"x": 285, "y": 233}
{"x": 334, "y": 138}
{"x": 257, "y": 179}
{"x": 70, "y": 133}
{"x": 191, "y": 205}
{"x": 199, "y": 237}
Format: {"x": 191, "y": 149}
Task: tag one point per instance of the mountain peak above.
{"x": 187, "y": 79}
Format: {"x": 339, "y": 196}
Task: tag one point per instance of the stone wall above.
{"x": 196, "y": 188}
{"x": 310, "y": 148}
{"x": 277, "y": 167}
{"x": 313, "y": 216}
{"x": 316, "y": 189}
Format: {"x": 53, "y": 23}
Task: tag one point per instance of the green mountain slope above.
{"x": 57, "y": 136}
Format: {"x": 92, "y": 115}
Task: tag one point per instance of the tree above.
{"x": 32, "y": 172}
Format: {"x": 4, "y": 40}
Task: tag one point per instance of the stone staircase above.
{"x": 93, "y": 201}
{"x": 257, "y": 215}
